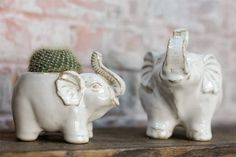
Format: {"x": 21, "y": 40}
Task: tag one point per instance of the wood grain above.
{"x": 122, "y": 142}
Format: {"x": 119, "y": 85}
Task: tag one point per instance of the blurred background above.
{"x": 123, "y": 30}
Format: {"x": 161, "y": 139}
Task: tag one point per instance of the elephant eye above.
{"x": 96, "y": 86}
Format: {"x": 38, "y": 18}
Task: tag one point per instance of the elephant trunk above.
{"x": 117, "y": 83}
{"x": 175, "y": 66}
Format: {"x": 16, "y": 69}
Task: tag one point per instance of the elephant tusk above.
{"x": 115, "y": 101}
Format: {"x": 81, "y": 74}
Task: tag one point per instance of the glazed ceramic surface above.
{"x": 68, "y": 102}
{"x": 180, "y": 88}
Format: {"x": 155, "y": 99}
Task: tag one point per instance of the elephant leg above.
{"x": 76, "y": 127}
{"x": 161, "y": 118}
{"x": 76, "y": 138}
{"x": 77, "y": 133}
{"x": 27, "y": 128}
{"x": 90, "y": 129}
{"x": 161, "y": 122}
{"x": 199, "y": 127}
{"x": 199, "y": 131}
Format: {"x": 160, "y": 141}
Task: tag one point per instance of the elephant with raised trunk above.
{"x": 180, "y": 88}
{"x": 68, "y": 102}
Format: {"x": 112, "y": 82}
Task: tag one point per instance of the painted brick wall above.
{"x": 123, "y": 30}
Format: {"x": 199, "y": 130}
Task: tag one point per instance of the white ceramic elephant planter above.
{"x": 180, "y": 88}
{"x": 66, "y": 102}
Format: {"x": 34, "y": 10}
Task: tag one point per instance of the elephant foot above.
{"x": 199, "y": 135}
{"x": 27, "y": 136}
{"x": 159, "y": 133}
{"x": 76, "y": 139}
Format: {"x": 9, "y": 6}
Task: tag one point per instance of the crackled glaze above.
{"x": 68, "y": 102}
{"x": 180, "y": 88}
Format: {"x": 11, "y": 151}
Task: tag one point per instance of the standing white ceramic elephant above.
{"x": 180, "y": 88}
{"x": 66, "y": 102}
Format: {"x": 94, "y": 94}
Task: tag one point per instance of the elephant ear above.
{"x": 212, "y": 77}
{"x": 150, "y": 60}
{"x": 70, "y": 87}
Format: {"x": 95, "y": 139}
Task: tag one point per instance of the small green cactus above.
{"x": 53, "y": 60}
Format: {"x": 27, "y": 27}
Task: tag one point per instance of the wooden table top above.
{"x": 122, "y": 142}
